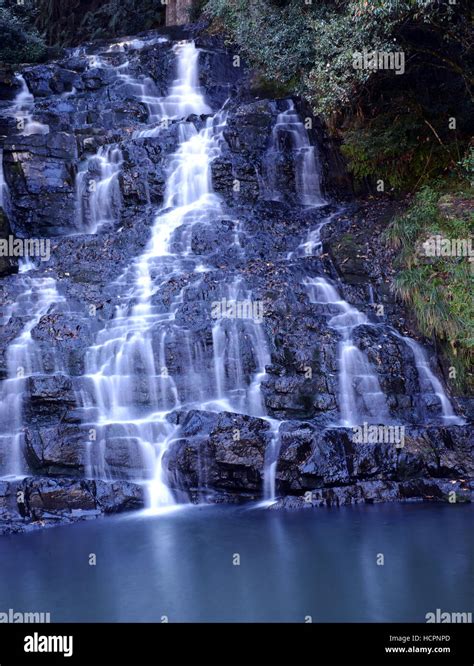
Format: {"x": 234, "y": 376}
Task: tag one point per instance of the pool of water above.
{"x": 226, "y": 564}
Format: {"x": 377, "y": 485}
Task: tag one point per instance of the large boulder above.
{"x": 216, "y": 453}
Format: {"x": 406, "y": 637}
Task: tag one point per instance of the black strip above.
{"x": 292, "y": 644}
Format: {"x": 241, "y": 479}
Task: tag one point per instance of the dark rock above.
{"x": 39, "y": 170}
{"x": 56, "y": 450}
{"x": 218, "y": 452}
{"x": 314, "y": 458}
{"x": 7, "y": 264}
{"x": 50, "y": 502}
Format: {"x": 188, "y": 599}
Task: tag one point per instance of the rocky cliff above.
{"x": 89, "y": 167}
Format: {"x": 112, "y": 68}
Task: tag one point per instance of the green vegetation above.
{"x": 20, "y": 41}
{"x": 438, "y": 288}
{"x": 70, "y": 22}
{"x": 29, "y": 27}
{"x": 394, "y": 127}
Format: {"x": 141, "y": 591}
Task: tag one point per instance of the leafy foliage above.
{"x": 27, "y": 28}
{"x": 438, "y": 288}
{"x": 70, "y": 22}
{"x": 20, "y": 41}
{"x": 277, "y": 38}
{"x": 394, "y": 127}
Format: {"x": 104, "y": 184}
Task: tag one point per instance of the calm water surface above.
{"x": 320, "y": 563}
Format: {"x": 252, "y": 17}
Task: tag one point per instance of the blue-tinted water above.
{"x": 319, "y": 563}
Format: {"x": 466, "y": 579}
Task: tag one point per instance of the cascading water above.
{"x": 23, "y": 361}
{"x": 271, "y": 462}
{"x": 22, "y": 110}
{"x": 98, "y": 197}
{"x": 3, "y": 186}
{"x": 23, "y": 358}
{"x": 184, "y": 97}
{"x": 134, "y": 388}
{"x": 290, "y": 135}
{"x": 235, "y": 391}
{"x": 97, "y": 189}
{"x": 141, "y": 88}
{"x": 429, "y": 383}
{"x": 360, "y": 395}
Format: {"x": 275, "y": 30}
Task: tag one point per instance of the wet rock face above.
{"x": 214, "y": 456}
{"x": 56, "y": 450}
{"x": 40, "y": 169}
{"x": 222, "y": 455}
{"x": 220, "y": 72}
{"x": 218, "y": 453}
{"x": 38, "y": 502}
{"x": 311, "y": 458}
{"x": 371, "y": 492}
{"x": 7, "y": 264}
{"x": 143, "y": 176}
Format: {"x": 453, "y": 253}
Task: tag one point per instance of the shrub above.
{"x": 20, "y": 41}
{"x": 438, "y": 288}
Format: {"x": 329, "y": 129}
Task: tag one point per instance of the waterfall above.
{"x": 361, "y": 398}
{"x": 271, "y": 462}
{"x": 184, "y": 98}
{"x": 169, "y": 350}
{"x": 98, "y": 196}
{"x": 97, "y": 187}
{"x": 360, "y": 395}
{"x": 3, "y": 186}
{"x": 133, "y": 386}
{"x": 290, "y": 134}
{"x": 429, "y": 383}
{"x": 22, "y": 110}
{"x": 148, "y": 363}
{"x": 234, "y": 391}
{"x": 24, "y": 360}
